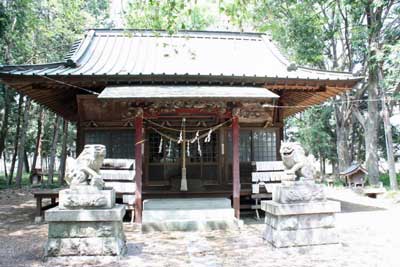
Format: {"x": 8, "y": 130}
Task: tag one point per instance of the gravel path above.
{"x": 369, "y": 237}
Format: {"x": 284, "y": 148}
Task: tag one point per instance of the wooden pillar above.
{"x": 138, "y": 167}
{"x": 235, "y": 166}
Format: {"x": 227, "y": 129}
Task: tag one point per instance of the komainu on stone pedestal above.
{"x": 299, "y": 213}
{"x": 87, "y": 221}
{"x": 297, "y": 165}
{"x": 86, "y": 168}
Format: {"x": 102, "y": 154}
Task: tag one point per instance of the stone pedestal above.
{"x": 300, "y": 215}
{"x": 87, "y": 223}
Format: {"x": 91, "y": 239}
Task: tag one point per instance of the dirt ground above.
{"x": 369, "y": 237}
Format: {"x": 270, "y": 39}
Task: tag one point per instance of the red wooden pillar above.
{"x": 235, "y": 166}
{"x": 138, "y": 167}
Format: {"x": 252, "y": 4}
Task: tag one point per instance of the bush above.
{"x": 25, "y": 182}
{"x": 384, "y": 178}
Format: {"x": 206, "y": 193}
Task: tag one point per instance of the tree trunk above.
{"x": 342, "y": 148}
{"x": 374, "y": 21}
{"x": 342, "y": 145}
{"x": 21, "y": 145}
{"x": 26, "y": 162}
{"x": 53, "y": 150}
{"x": 5, "y": 165}
{"x": 321, "y": 168}
{"x": 389, "y": 146}
{"x": 16, "y": 139}
{"x": 38, "y": 146}
{"x": 63, "y": 152}
{"x": 372, "y": 123}
{"x": 6, "y": 115}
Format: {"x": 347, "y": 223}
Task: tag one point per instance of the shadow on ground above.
{"x": 348, "y": 207}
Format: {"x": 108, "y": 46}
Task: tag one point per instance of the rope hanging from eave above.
{"x": 192, "y": 140}
{"x": 164, "y": 135}
{"x": 188, "y": 131}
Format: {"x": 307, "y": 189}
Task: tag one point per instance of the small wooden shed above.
{"x": 355, "y": 175}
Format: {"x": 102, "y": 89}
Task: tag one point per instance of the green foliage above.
{"x": 296, "y": 25}
{"x": 384, "y": 178}
{"x": 25, "y": 183}
{"x": 315, "y": 131}
{"x": 167, "y": 15}
{"x": 37, "y": 31}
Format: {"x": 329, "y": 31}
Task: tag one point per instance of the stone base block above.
{"x": 300, "y": 224}
{"x": 299, "y": 192}
{"x": 85, "y": 232}
{"x": 88, "y": 215}
{"x": 85, "y": 229}
{"x": 90, "y": 246}
{"x": 87, "y": 197}
{"x": 304, "y": 237}
{"x": 276, "y": 208}
{"x": 295, "y": 222}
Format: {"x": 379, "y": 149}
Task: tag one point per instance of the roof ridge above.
{"x": 179, "y": 31}
{"x": 329, "y": 71}
{"x": 274, "y": 50}
{"x": 33, "y": 66}
{"x": 81, "y": 49}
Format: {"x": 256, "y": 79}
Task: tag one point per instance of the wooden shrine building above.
{"x": 204, "y": 104}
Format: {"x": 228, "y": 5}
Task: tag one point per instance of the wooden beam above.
{"x": 235, "y": 166}
{"x": 138, "y": 167}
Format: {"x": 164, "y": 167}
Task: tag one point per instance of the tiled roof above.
{"x": 353, "y": 169}
{"x": 134, "y": 52}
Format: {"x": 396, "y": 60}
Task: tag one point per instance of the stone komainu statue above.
{"x": 296, "y": 164}
{"x": 85, "y": 169}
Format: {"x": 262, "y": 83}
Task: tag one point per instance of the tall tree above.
{"x": 16, "y": 138}
{"x": 38, "y": 143}
{"x": 53, "y": 151}
{"x": 309, "y": 32}
{"x": 21, "y": 144}
{"x": 63, "y": 151}
{"x": 8, "y": 99}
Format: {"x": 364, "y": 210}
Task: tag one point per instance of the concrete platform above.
{"x": 192, "y": 214}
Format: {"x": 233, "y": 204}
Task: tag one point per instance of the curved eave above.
{"x": 58, "y": 93}
{"x": 347, "y": 82}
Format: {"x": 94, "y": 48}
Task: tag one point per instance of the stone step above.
{"x": 191, "y": 225}
{"x": 187, "y": 214}
{"x": 198, "y": 214}
{"x": 186, "y": 203}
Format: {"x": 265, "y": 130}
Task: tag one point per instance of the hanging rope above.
{"x": 180, "y": 137}
{"x": 164, "y": 135}
{"x": 169, "y": 148}
{"x": 160, "y": 146}
{"x": 208, "y": 138}
{"x": 188, "y": 148}
{"x": 195, "y": 138}
{"x": 199, "y": 147}
{"x": 188, "y": 131}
